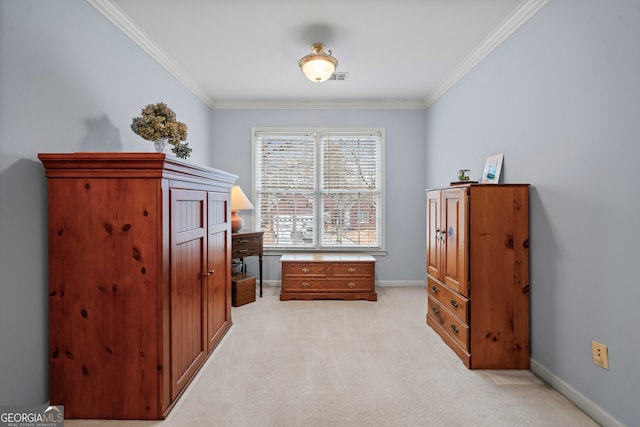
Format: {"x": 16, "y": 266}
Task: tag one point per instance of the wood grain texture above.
{"x": 103, "y": 255}
{"x": 127, "y": 310}
{"x": 219, "y": 268}
{"x": 486, "y": 258}
{"x": 188, "y": 235}
{"x": 243, "y": 289}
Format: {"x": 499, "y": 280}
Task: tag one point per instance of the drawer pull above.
{"x": 243, "y": 250}
{"x": 209, "y": 273}
{"x": 435, "y": 309}
{"x": 305, "y": 270}
{"x": 434, "y": 289}
{"x": 244, "y": 241}
{"x": 351, "y": 285}
{"x": 304, "y": 284}
{"x": 352, "y": 270}
{"x": 453, "y": 303}
{"x": 454, "y": 329}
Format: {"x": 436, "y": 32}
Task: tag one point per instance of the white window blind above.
{"x": 320, "y": 189}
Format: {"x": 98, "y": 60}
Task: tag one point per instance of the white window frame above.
{"x": 380, "y": 249}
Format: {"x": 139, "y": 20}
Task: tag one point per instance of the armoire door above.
{"x": 188, "y": 252}
{"x": 218, "y": 295}
{"x": 434, "y": 241}
{"x": 454, "y": 229}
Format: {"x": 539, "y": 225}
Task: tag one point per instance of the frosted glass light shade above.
{"x": 318, "y": 65}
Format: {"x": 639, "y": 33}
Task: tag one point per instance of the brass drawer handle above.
{"x": 453, "y": 303}
{"x": 352, "y": 270}
{"x": 305, "y": 270}
{"x": 435, "y": 309}
{"x": 243, "y": 250}
{"x": 434, "y": 289}
{"x": 351, "y": 285}
{"x": 454, "y": 329}
{"x": 244, "y": 241}
{"x": 304, "y": 284}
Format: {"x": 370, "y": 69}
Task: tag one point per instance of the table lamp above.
{"x": 239, "y": 201}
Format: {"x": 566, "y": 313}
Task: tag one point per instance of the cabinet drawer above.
{"x": 243, "y": 246}
{"x": 302, "y": 284}
{"x": 353, "y": 285}
{"x": 455, "y": 303}
{"x": 356, "y": 269}
{"x": 457, "y": 330}
{"x": 303, "y": 269}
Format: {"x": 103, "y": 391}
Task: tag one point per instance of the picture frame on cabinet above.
{"x": 492, "y": 169}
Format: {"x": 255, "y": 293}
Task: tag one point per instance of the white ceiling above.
{"x": 244, "y": 53}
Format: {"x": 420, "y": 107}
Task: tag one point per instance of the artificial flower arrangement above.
{"x": 159, "y": 121}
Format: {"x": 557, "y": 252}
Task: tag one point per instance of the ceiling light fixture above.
{"x": 318, "y": 65}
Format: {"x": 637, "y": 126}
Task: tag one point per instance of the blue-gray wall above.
{"x": 404, "y": 130}
{"x": 69, "y": 81}
{"x": 561, "y": 99}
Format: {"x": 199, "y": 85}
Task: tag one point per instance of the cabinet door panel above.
{"x": 218, "y": 267}
{"x": 455, "y": 229}
{"x": 188, "y": 213}
{"x": 433, "y": 234}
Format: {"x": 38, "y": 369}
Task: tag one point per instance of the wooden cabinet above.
{"x": 447, "y": 220}
{"x": 477, "y": 262}
{"x": 246, "y": 243}
{"x": 328, "y": 276}
{"x": 139, "y": 279}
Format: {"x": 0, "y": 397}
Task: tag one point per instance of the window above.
{"x": 319, "y": 188}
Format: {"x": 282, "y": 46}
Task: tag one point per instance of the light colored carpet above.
{"x": 353, "y": 363}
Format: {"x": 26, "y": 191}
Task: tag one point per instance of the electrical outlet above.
{"x": 600, "y": 353}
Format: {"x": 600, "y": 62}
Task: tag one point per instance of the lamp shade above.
{"x": 239, "y": 200}
{"x": 318, "y": 65}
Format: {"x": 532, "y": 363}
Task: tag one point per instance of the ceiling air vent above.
{"x": 339, "y": 77}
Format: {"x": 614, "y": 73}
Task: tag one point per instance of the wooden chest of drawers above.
{"x": 328, "y": 276}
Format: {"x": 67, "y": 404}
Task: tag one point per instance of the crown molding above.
{"x": 114, "y": 14}
{"x": 321, "y": 104}
{"x": 507, "y": 27}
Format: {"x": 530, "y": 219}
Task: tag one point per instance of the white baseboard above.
{"x": 382, "y": 283}
{"x": 578, "y": 399}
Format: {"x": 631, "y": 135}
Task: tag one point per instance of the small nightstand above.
{"x": 246, "y": 243}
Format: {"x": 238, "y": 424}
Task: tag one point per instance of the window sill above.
{"x": 274, "y": 252}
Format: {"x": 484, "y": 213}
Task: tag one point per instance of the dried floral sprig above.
{"x": 159, "y": 121}
{"x": 182, "y": 150}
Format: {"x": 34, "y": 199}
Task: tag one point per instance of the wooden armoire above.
{"x": 139, "y": 279}
{"x": 478, "y": 272}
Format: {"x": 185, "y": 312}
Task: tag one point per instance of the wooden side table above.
{"x": 246, "y": 243}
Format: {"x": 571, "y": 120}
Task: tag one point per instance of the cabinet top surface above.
{"x": 315, "y": 257}
{"x": 126, "y": 164}
{"x": 487, "y": 185}
{"x": 247, "y": 233}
